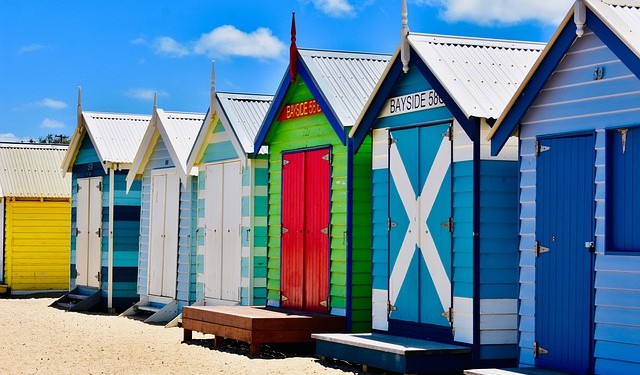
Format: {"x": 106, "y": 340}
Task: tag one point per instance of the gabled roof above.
{"x": 33, "y": 171}
{"x": 475, "y": 77}
{"x": 178, "y": 131}
{"x": 341, "y": 83}
{"x": 616, "y": 22}
{"x": 115, "y": 137}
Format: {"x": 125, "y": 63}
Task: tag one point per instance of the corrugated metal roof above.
{"x": 116, "y": 136}
{"x": 481, "y": 75}
{"x": 245, "y": 113}
{"x": 623, "y": 17}
{"x": 347, "y": 79}
{"x": 180, "y": 130}
{"x": 33, "y": 171}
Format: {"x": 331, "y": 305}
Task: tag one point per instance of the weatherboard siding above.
{"x": 572, "y": 101}
{"x": 309, "y": 132}
{"x": 161, "y": 159}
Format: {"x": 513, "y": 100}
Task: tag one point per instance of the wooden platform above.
{"x": 393, "y": 353}
{"x": 257, "y": 325}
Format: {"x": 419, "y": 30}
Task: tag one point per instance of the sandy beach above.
{"x": 37, "y": 339}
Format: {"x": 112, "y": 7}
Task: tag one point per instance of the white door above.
{"x": 163, "y": 234}
{"x": 88, "y": 231}
{"x": 223, "y": 219}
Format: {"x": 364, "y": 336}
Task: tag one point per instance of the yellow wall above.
{"x": 37, "y": 243}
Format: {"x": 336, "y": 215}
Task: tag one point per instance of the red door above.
{"x": 306, "y": 178}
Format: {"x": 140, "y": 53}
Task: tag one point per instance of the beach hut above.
{"x": 319, "y": 216}
{"x": 232, "y": 201}
{"x": 577, "y": 117}
{"x": 105, "y": 221}
{"x": 35, "y": 210}
{"x": 166, "y": 264}
{"x": 445, "y": 260}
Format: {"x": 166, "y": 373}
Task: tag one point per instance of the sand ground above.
{"x": 37, "y": 339}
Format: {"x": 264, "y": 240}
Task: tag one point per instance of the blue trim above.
{"x": 469, "y": 125}
{"x": 379, "y": 98}
{"x": 350, "y": 153}
{"x": 313, "y": 87}
{"x": 278, "y": 100}
{"x": 537, "y": 81}
{"x": 476, "y": 240}
{"x": 611, "y": 40}
{"x": 271, "y": 114}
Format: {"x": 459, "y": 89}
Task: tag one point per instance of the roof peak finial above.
{"x": 212, "y": 92}
{"x": 579, "y": 17}
{"x": 293, "y": 50}
{"x": 80, "y": 98}
{"x": 404, "y": 37}
{"x": 155, "y": 100}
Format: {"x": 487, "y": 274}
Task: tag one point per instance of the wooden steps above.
{"x": 81, "y": 298}
{"x": 393, "y": 353}
{"x": 152, "y": 312}
{"x": 257, "y": 325}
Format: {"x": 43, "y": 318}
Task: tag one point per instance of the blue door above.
{"x": 564, "y": 231}
{"x": 419, "y": 223}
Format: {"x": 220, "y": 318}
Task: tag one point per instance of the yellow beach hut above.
{"x": 35, "y": 202}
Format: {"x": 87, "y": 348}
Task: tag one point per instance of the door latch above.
{"x": 591, "y": 246}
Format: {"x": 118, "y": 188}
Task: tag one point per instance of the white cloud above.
{"x": 51, "y": 124}
{"x": 30, "y": 48}
{"x": 225, "y": 41}
{"x": 10, "y": 137}
{"x": 145, "y": 94}
{"x": 169, "y": 46}
{"x": 334, "y": 8}
{"x": 138, "y": 41}
{"x": 52, "y": 103}
{"x": 502, "y": 12}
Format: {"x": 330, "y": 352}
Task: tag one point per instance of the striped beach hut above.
{"x": 166, "y": 263}
{"x": 35, "y": 210}
{"x": 232, "y": 201}
{"x": 445, "y": 260}
{"x": 105, "y": 220}
{"x": 319, "y": 216}
{"x": 577, "y": 118}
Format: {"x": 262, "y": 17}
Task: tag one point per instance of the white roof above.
{"x": 33, "y": 170}
{"x": 245, "y": 113}
{"x": 178, "y": 131}
{"x": 480, "y": 75}
{"x": 347, "y": 79}
{"x": 622, "y": 17}
{"x": 115, "y": 137}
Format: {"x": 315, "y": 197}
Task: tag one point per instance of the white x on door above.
{"x": 88, "y": 231}
{"x": 223, "y": 220}
{"x": 163, "y": 236}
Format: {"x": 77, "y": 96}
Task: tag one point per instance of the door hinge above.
{"x": 327, "y": 157}
{"x": 448, "y": 314}
{"x": 284, "y": 230}
{"x": 448, "y": 134}
{"x": 540, "y": 148}
{"x": 285, "y": 161}
{"x": 100, "y": 186}
{"x": 391, "y": 224}
{"x": 540, "y": 249}
{"x": 283, "y": 298}
{"x": 78, "y": 188}
{"x": 391, "y": 141}
{"x": 99, "y": 232}
{"x": 591, "y": 246}
{"x": 325, "y": 230}
{"x": 390, "y": 308}
{"x": 99, "y": 276}
{"x": 538, "y": 350}
{"x": 77, "y": 232}
{"x": 448, "y": 224}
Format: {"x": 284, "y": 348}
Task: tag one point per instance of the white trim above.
{"x": 1, "y": 239}
{"x": 110, "y": 242}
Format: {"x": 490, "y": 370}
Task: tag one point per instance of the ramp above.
{"x": 394, "y": 353}
{"x": 81, "y": 298}
{"x": 152, "y": 312}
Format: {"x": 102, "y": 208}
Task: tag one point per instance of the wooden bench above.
{"x": 257, "y": 325}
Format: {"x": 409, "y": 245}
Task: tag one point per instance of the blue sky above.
{"x": 122, "y": 51}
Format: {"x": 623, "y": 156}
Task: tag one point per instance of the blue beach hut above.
{"x": 577, "y": 117}
{"x": 105, "y": 220}
{"x": 445, "y": 262}
{"x": 232, "y": 201}
{"x": 166, "y": 272}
